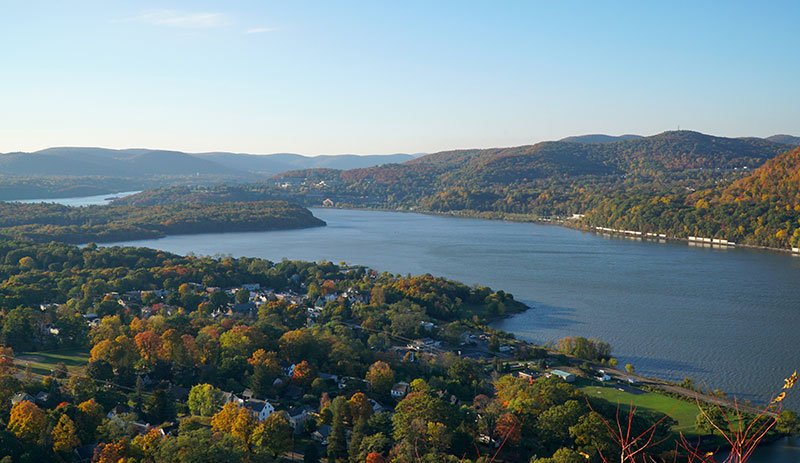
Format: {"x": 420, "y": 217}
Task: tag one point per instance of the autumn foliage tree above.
{"x": 90, "y": 415}
{"x": 6, "y": 360}
{"x": 508, "y": 429}
{"x": 360, "y": 407}
{"x": 65, "y": 435}
{"x": 113, "y": 452}
{"x": 273, "y": 435}
{"x": 237, "y": 422}
{"x": 380, "y": 377}
{"x": 149, "y": 344}
{"x": 303, "y": 374}
{"x": 27, "y": 421}
{"x": 266, "y": 369}
{"x": 222, "y": 421}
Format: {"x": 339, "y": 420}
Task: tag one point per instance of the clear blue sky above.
{"x": 378, "y": 77}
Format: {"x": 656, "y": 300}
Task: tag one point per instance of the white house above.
{"x": 261, "y": 409}
{"x": 297, "y": 416}
{"x": 506, "y": 349}
{"x": 567, "y": 377}
{"x": 400, "y": 390}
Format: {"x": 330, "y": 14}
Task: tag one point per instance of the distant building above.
{"x": 602, "y": 376}
{"x": 21, "y": 397}
{"x": 261, "y": 409}
{"x": 247, "y": 308}
{"x": 228, "y": 397}
{"x": 297, "y": 416}
{"x": 321, "y": 434}
{"x": 567, "y": 377}
{"x": 505, "y": 349}
{"x": 400, "y": 390}
{"x": 327, "y": 203}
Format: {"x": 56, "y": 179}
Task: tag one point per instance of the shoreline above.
{"x": 560, "y": 222}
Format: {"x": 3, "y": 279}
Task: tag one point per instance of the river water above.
{"x": 81, "y": 200}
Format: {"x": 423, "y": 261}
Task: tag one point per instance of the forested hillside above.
{"x": 673, "y": 183}
{"x": 47, "y": 222}
{"x": 121, "y": 354}
{"x": 785, "y": 139}
{"x": 761, "y": 209}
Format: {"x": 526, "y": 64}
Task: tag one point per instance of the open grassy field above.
{"x": 685, "y": 413}
{"x": 44, "y": 362}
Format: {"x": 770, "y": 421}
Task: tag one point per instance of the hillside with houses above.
{"x": 139, "y": 355}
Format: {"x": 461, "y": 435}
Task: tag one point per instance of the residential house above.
{"x": 42, "y": 398}
{"x": 602, "y": 376}
{"x": 297, "y": 416}
{"x": 248, "y": 309}
{"x": 228, "y": 397}
{"x": 505, "y": 349}
{"x": 399, "y": 390}
{"x": 376, "y": 406}
{"x": 21, "y": 397}
{"x": 425, "y": 344}
{"x": 114, "y": 413}
{"x": 261, "y": 409}
{"x": 321, "y": 434}
{"x": 346, "y": 382}
{"x": 567, "y": 377}
{"x": 91, "y": 319}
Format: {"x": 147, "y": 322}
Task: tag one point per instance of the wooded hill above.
{"x": 43, "y": 222}
{"x": 761, "y": 209}
{"x": 647, "y": 184}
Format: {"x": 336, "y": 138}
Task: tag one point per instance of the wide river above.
{"x": 81, "y": 200}
{"x": 729, "y": 319}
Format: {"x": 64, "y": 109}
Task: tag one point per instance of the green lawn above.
{"x": 43, "y": 362}
{"x": 685, "y": 413}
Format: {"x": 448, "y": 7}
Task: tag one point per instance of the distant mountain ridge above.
{"x": 138, "y": 163}
{"x": 785, "y": 139}
{"x": 599, "y": 138}
{"x": 576, "y": 155}
{"x": 666, "y": 154}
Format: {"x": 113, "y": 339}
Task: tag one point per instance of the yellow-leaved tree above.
{"x": 27, "y": 421}
{"x": 65, "y": 435}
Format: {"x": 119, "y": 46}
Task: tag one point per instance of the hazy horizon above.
{"x": 365, "y": 77}
{"x": 222, "y": 151}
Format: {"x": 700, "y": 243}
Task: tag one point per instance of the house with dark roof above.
{"x": 297, "y": 416}
{"x": 399, "y": 390}
{"x": 21, "y": 397}
{"x": 321, "y": 434}
{"x": 261, "y": 409}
